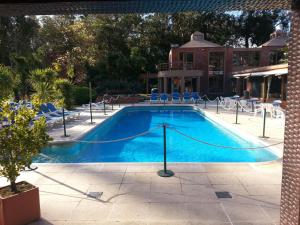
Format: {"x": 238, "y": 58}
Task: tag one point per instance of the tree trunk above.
{"x": 13, "y": 186}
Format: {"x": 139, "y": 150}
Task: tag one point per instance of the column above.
{"x": 198, "y": 84}
{"x": 165, "y": 84}
{"x": 290, "y": 193}
{"x": 182, "y": 84}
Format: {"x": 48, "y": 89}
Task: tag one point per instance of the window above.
{"x": 215, "y": 84}
{"x": 246, "y": 58}
{"x": 276, "y": 57}
{"x": 216, "y": 72}
{"x": 216, "y": 63}
{"x": 186, "y": 57}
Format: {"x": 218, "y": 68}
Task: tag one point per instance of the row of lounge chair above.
{"x": 48, "y": 110}
{"x": 175, "y": 97}
{"x": 54, "y": 115}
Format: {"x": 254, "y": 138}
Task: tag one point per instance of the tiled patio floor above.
{"x": 133, "y": 194}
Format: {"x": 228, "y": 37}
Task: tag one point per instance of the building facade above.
{"x": 208, "y": 68}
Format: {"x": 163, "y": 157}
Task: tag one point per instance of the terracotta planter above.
{"x": 21, "y": 208}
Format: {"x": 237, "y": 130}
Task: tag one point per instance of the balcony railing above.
{"x": 178, "y": 66}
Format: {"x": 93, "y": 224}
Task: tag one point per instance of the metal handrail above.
{"x": 179, "y": 66}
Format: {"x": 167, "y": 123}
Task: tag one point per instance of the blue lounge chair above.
{"x": 154, "y": 98}
{"x": 186, "y": 97}
{"x": 175, "y": 97}
{"x": 53, "y": 109}
{"x": 164, "y": 98}
{"x": 195, "y": 97}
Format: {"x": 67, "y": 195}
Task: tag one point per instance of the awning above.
{"x": 242, "y": 75}
{"x": 277, "y": 72}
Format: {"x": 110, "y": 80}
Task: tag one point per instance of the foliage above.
{"x": 20, "y": 140}
{"x": 64, "y": 93}
{"x": 106, "y": 49}
{"x": 42, "y": 81}
{"x": 7, "y": 82}
{"x": 81, "y": 95}
{"x": 255, "y": 27}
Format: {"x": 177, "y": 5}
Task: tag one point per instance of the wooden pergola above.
{"x": 290, "y": 197}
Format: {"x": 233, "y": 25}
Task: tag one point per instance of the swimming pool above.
{"x": 131, "y": 121}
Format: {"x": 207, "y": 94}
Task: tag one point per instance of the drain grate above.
{"x": 223, "y": 194}
{"x": 94, "y": 194}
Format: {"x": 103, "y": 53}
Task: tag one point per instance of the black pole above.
{"x": 165, "y": 150}
{"x": 112, "y": 104}
{"x": 165, "y": 172}
{"x": 252, "y": 106}
{"x": 205, "y": 103}
{"x": 64, "y": 122}
{"x": 218, "y": 105}
{"x": 237, "y": 112}
{"x": 104, "y": 111}
{"x": 264, "y": 124}
{"x": 91, "y": 111}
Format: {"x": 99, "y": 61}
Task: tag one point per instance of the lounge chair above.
{"x": 164, "y": 98}
{"x": 68, "y": 113}
{"x": 175, "y": 97}
{"x": 195, "y": 97}
{"x": 154, "y": 98}
{"x": 186, "y": 97}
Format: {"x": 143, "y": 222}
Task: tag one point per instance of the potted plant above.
{"x": 21, "y": 138}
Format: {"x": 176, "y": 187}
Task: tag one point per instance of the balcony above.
{"x": 178, "y": 69}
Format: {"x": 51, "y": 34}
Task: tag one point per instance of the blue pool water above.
{"x": 149, "y": 148}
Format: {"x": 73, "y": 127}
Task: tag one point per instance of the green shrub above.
{"x": 7, "y": 82}
{"x": 21, "y": 140}
{"x": 81, "y": 95}
{"x": 64, "y": 93}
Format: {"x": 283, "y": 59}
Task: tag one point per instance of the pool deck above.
{"x": 134, "y": 194}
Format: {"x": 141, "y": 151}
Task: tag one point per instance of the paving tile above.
{"x": 264, "y": 189}
{"x": 137, "y": 178}
{"x": 114, "y": 168}
{"x": 211, "y": 212}
{"x": 235, "y": 189}
{"x": 109, "y": 191}
{"x": 273, "y": 212}
{"x": 166, "y": 188}
{"x": 250, "y": 223}
{"x": 258, "y": 178}
{"x": 52, "y": 178}
{"x": 187, "y": 167}
{"x": 193, "y": 178}
{"x": 198, "y": 193}
{"x": 91, "y": 210}
{"x": 245, "y": 213}
{"x": 167, "y": 212}
{"x": 222, "y": 178}
{"x": 166, "y": 198}
{"x": 128, "y": 188}
{"x": 165, "y": 180}
{"x": 129, "y": 212}
{"x": 226, "y": 168}
{"x": 53, "y": 210}
{"x": 136, "y": 197}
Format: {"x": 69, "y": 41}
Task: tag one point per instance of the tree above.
{"x": 20, "y": 140}
{"x": 255, "y": 27}
{"x": 68, "y": 46}
{"x": 64, "y": 92}
{"x": 7, "y": 82}
{"x": 42, "y": 81}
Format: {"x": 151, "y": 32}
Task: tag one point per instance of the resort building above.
{"x": 208, "y": 68}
